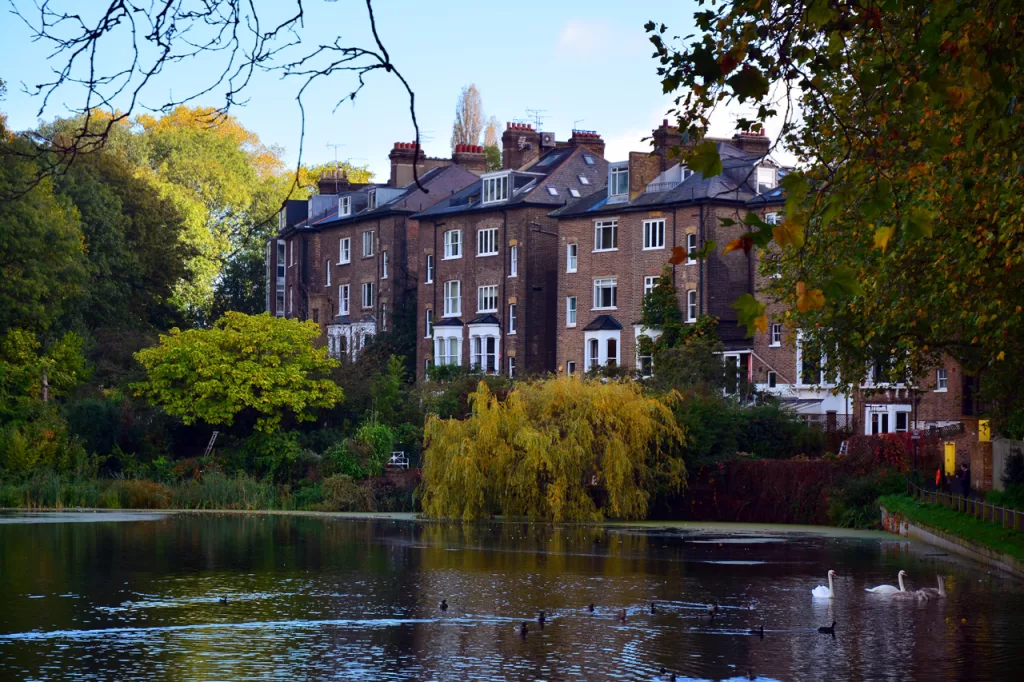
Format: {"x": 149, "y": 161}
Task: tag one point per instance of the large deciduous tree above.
{"x": 903, "y": 236}
{"x": 469, "y": 118}
{"x": 559, "y": 450}
{"x": 255, "y": 367}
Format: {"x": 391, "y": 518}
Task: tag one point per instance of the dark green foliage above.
{"x": 1011, "y": 498}
{"x": 854, "y": 504}
{"x": 770, "y": 431}
{"x": 1013, "y": 468}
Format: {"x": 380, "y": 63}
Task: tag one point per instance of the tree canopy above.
{"x": 257, "y": 366}
{"x": 904, "y": 219}
{"x": 561, "y": 449}
{"x": 469, "y": 118}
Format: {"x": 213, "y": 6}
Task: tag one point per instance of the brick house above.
{"x": 613, "y": 246}
{"x": 347, "y": 255}
{"x": 487, "y": 256}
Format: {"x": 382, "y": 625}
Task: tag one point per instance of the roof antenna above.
{"x": 537, "y": 115}
{"x": 335, "y": 146}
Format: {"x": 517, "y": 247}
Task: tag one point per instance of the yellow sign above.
{"x": 950, "y": 458}
{"x": 984, "y": 431}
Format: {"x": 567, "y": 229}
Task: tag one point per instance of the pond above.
{"x": 138, "y": 597}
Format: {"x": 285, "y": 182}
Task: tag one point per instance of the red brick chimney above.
{"x": 520, "y": 144}
{"x": 756, "y": 144}
{"x": 665, "y": 137}
{"x": 471, "y": 157}
{"x": 402, "y": 156}
{"x": 336, "y": 181}
{"x": 588, "y": 139}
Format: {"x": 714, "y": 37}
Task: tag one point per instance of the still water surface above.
{"x": 137, "y": 597}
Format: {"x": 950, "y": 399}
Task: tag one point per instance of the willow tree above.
{"x": 558, "y": 450}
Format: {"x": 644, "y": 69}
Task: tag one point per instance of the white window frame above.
{"x": 494, "y": 188}
{"x": 602, "y": 358}
{"x": 570, "y": 368}
{"x": 603, "y": 283}
{"x": 941, "y": 380}
{"x": 513, "y": 318}
{"x": 344, "y": 250}
{"x": 428, "y": 323}
{"x": 452, "y": 244}
{"x": 614, "y": 173}
{"x": 430, "y": 269}
{"x": 344, "y": 291}
{"x": 771, "y": 379}
{"x": 291, "y": 301}
{"x": 383, "y": 316}
{"x": 584, "y": 180}
{"x": 291, "y": 252}
{"x": 366, "y": 300}
{"x": 571, "y": 311}
{"x": 487, "y": 237}
{"x": 511, "y": 367}
{"x": 766, "y": 175}
{"x": 776, "y": 335}
{"x": 572, "y": 257}
{"x": 654, "y": 234}
{"x": 513, "y": 261}
{"x": 691, "y": 248}
{"x": 327, "y": 267}
{"x": 691, "y": 306}
{"x": 368, "y": 244}
{"x": 485, "y": 294}
{"x": 553, "y": 191}
{"x": 574, "y": 193}
{"x": 588, "y": 159}
{"x": 345, "y": 206}
{"x": 444, "y": 353}
{"x": 453, "y": 298}
{"x": 649, "y": 283}
{"x": 600, "y": 225}
{"x": 371, "y": 199}
{"x": 383, "y": 264}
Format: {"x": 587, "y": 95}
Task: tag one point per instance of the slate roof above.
{"x": 558, "y": 168}
{"x": 603, "y": 323}
{"x": 736, "y": 184}
{"x": 449, "y": 322}
{"x": 484, "y": 319}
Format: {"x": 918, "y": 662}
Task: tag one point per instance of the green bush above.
{"x": 1013, "y": 468}
{"x": 711, "y": 426}
{"x": 1011, "y": 498}
{"x": 855, "y": 504}
{"x": 96, "y": 422}
{"x": 218, "y": 491}
{"x": 772, "y": 432}
{"x": 141, "y": 494}
{"x": 342, "y": 493}
{"x": 42, "y": 444}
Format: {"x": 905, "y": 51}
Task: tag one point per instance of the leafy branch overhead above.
{"x": 903, "y": 233}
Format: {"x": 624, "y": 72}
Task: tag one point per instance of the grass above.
{"x": 984, "y": 533}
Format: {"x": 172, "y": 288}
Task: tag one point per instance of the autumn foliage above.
{"x": 559, "y": 450}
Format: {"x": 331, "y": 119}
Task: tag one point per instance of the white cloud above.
{"x": 581, "y": 38}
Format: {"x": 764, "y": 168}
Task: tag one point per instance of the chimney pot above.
{"x": 508, "y": 125}
{"x": 664, "y": 122}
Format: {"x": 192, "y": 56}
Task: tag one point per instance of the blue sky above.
{"x": 576, "y": 60}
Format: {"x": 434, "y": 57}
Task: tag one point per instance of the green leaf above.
{"x": 748, "y": 310}
{"x": 748, "y": 83}
{"x": 920, "y": 223}
{"x": 709, "y": 247}
{"x": 704, "y": 159}
{"x": 843, "y": 283}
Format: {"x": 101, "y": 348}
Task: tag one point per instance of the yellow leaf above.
{"x": 1001, "y": 356}
{"x": 808, "y": 299}
{"x": 789, "y": 233}
{"x": 762, "y": 324}
{"x": 882, "y": 237}
{"x": 734, "y": 245}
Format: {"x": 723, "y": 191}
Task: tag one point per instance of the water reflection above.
{"x": 325, "y": 598}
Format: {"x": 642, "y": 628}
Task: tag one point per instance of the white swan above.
{"x": 889, "y": 589}
{"x": 822, "y": 592}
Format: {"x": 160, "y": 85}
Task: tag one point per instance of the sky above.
{"x": 584, "y": 64}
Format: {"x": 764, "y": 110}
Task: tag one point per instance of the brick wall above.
{"x": 532, "y": 290}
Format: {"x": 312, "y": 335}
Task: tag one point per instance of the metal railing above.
{"x": 978, "y": 508}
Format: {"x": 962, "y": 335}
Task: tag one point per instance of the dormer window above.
{"x": 495, "y": 188}
{"x": 345, "y": 206}
{"x": 372, "y": 199}
{"x": 618, "y": 180}
{"x": 766, "y": 179}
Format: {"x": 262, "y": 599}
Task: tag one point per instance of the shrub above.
{"x": 142, "y": 494}
{"x": 854, "y": 504}
{"x": 772, "y": 432}
{"x": 218, "y": 491}
{"x": 342, "y": 493}
{"x": 1012, "y": 497}
{"x": 1013, "y": 468}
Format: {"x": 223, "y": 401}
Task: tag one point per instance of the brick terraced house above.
{"x": 613, "y": 246}
{"x": 343, "y": 260}
{"x": 488, "y": 256}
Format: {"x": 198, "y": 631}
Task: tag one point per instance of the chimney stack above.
{"x": 665, "y": 137}
{"x": 589, "y": 139}
{"x": 471, "y": 157}
{"x": 755, "y": 144}
{"x": 520, "y": 145}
